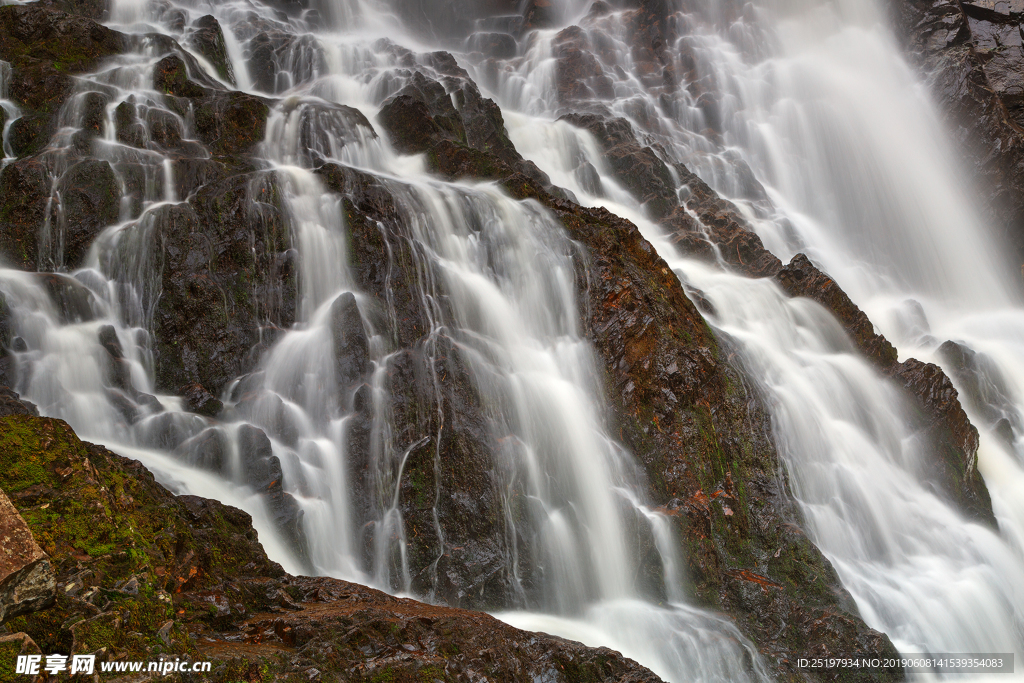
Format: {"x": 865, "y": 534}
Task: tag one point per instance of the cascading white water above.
{"x": 842, "y": 135}
{"x": 503, "y": 268}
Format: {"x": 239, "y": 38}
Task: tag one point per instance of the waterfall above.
{"x": 849, "y": 149}
{"x": 810, "y": 102}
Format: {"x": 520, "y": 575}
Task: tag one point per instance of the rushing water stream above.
{"x": 815, "y": 99}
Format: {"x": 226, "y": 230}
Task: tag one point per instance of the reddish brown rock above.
{"x": 26, "y": 578}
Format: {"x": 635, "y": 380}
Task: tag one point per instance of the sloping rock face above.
{"x": 26, "y": 577}
{"x": 143, "y": 574}
{"x": 46, "y": 48}
{"x": 222, "y": 255}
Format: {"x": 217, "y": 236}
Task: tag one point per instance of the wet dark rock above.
{"x": 279, "y": 60}
{"x": 412, "y": 119}
{"x": 30, "y": 133}
{"x": 263, "y": 63}
{"x": 90, "y": 196}
{"x": 171, "y": 77}
{"x": 472, "y": 570}
{"x": 126, "y": 407}
{"x": 638, "y": 168}
{"x": 46, "y": 47}
{"x": 74, "y": 301}
{"x": 232, "y": 124}
{"x": 351, "y": 347}
{"x": 270, "y": 411}
{"x": 709, "y": 227}
{"x": 262, "y": 470}
{"x": 41, "y": 90}
{"x": 718, "y": 224}
{"x": 93, "y": 113}
{"x": 801, "y": 278}
{"x": 983, "y": 389}
{"x": 110, "y": 342}
{"x": 24, "y": 191}
{"x": 381, "y": 259}
{"x": 538, "y": 14}
{"x": 208, "y": 40}
{"x": 11, "y": 404}
{"x": 662, "y": 369}
{"x": 73, "y": 44}
{"x": 713, "y": 229}
{"x": 201, "y": 401}
{"x": 496, "y": 45}
{"x": 129, "y": 129}
{"x": 222, "y": 282}
{"x": 423, "y": 118}
{"x": 579, "y": 75}
{"x": 435, "y": 410}
{"x": 209, "y": 450}
{"x": 97, "y": 10}
{"x": 325, "y": 128}
{"x": 953, "y": 439}
{"x": 229, "y": 123}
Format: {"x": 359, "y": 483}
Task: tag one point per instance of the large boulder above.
{"x": 351, "y": 347}
{"x": 90, "y": 199}
{"x": 26, "y": 578}
{"x": 24, "y": 192}
{"x": 46, "y": 48}
{"x": 227, "y": 282}
{"x": 73, "y": 44}
{"x": 447, "y": 107}
{"x": 229, "y": 123}
{"x": 207, "y": 38}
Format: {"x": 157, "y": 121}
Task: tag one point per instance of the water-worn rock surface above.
{"x": 142, "y": 574}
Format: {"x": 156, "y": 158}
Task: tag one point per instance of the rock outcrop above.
{"x": 143, "y": 574}
{"x": 27, "y": 581}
